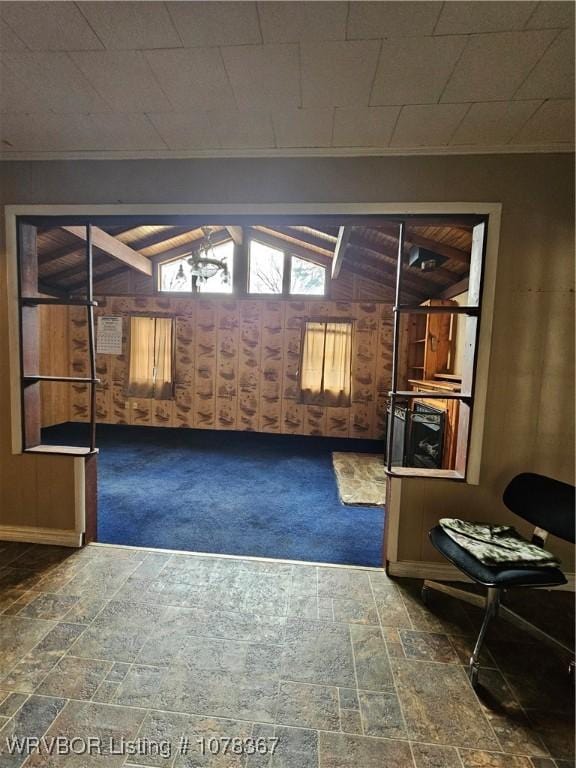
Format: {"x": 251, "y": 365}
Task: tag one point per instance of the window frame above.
{"x": 288, "y": 255}
{"x": 151, "y": 316}
{"x": 325, "y": 320}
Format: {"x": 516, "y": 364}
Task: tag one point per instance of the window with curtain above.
{"x": 325, "y": 372}
{"x": 151, "y": 356}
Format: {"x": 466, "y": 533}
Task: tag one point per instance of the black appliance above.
{"x": 401, "y": 422}
{"x": 426, "y": 437}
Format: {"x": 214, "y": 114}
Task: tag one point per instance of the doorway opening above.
{"x": 250, "y": 382}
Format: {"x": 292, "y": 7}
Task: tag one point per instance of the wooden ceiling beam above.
{"x": 383, "y": 281}
{"x": 344, "y": 234}
{"x": 237, "y": 234}
{"x": 390, "y": 254}
{"x": 186, "y": 248}
{"x": 114, "y": 248}
{"x": 264, "y": 235}
{"x": 326, "y": 247}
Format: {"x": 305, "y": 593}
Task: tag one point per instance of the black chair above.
{"x": 550, "y": 506}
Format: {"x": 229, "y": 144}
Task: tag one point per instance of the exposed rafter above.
{"x": 344, "y": 234}
{"x": 237, "y": 234}
{"x": 114, "y": 248}
{"x": 268, "y": 237}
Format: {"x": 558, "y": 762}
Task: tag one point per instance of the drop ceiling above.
{"x": 178, "y": 79}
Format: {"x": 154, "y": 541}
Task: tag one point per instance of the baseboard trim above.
{"x": 415, "y": 569}
{"x": 32, "y": 535}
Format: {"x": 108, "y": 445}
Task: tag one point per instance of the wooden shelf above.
{"x": 62, "y": 450}
{"x": 70, "y": 379}
{"x": 432, "y": 395}
{"x": 419, "y": 309}
{"x": 33, "y": 301}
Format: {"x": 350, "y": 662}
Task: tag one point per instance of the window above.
{"x": 306, "y": 278}
{"x": 151, "y": 357}
{"x": 176, "y": 276}
{"x": 266, "y": 273}
{"x": 275, "y": 271}
{"x": 325, "y": 373}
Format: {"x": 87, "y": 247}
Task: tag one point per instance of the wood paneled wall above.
{"x": 54, "y": 361}
{"x": 237, "y": 367}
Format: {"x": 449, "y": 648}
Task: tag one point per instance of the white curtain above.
{"x": 150, "y": 368}
{"x": 325, "y": 377}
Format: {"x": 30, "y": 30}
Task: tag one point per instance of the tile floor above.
{"x": 171, "y": 654}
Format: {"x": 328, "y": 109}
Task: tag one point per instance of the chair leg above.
{"x": 492, "y": 605}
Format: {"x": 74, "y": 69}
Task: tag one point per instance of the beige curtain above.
{"x": 150, "y": 371}
{"x": 325, "y": 370}
{"x": 337, "y": 357}
{"x": 163, "y": 358}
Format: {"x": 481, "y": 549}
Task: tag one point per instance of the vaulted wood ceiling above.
{"x": 369, "y": 252}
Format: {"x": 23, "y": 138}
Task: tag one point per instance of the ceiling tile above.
{"x": 131, "y": 25}
{"x": 50, "y": 132}
{"x": 125, "y": 132}
{"x": 192, "y": 79}
{"x": 242, "y": 130}
{"x": 367, "y": 127}
{"x": 415, "y": 70}
{"x": 216, "y": 23}
{"x": 263, "y": 75}
{"x": 185, "y": 130}
{"x": 53, "y": 26}
{"x": 9, "y": 41}
{"x": 459, "y": 18}
{"x": 553, "y": 76}
{"x": 45, "y": 82}
{"x": 392, "y": 19}
{"x": 303, "y": 127}
{"x": 296, "y": 22}
{"x": 552, "y": 14}
{"x": 553, "y": 122}
{"x": 135, "y": 91}
{"x": 429, "y": 125}
{"x": 493, "y": 66}
{"x": 494, "y": 122}
{"x": 338, "y": 74}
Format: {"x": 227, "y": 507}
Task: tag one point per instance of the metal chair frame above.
{"x": 492, "y": 602}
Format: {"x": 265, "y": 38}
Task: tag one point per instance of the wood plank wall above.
{"x": 54, "y": 361}
{"x": 237, "y": 366}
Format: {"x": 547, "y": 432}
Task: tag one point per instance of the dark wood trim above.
{"x": 91, "y": 498}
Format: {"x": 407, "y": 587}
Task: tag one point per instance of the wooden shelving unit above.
{"x": 430, "y": 340}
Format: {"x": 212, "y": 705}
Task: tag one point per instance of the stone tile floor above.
{"x": 344, "y": 667}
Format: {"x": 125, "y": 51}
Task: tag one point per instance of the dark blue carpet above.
{"x": 238, "y": 493}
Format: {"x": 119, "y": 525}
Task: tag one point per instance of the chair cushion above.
{"x": 491, "y": 576}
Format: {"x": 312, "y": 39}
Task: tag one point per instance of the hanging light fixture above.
{"x": 203, "y": 264}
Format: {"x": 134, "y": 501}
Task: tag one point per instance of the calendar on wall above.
{"x": 109, "y": 336}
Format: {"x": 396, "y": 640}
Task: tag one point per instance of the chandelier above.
{"x": 203, "y": 263}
